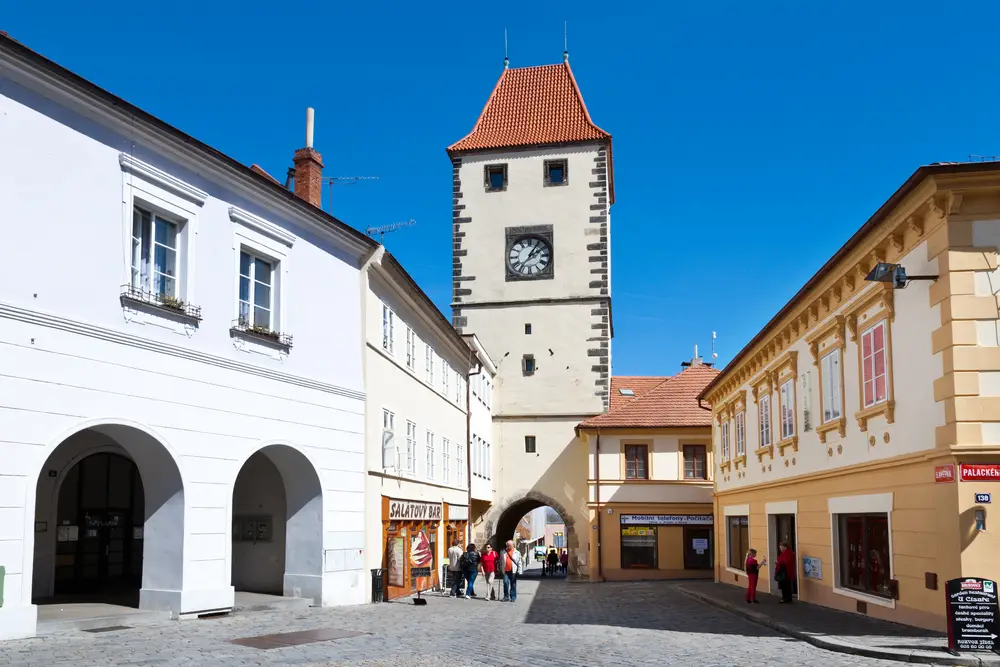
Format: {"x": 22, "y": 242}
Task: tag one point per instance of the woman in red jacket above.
{"x": 784, "y": 571}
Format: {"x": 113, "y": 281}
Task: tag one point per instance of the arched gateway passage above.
{"x": 502, "y": 521}
{"x": 109, "y": 518}
{"x": 278, "y": 525}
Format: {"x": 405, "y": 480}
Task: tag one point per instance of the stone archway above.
{"x": 501, "y": 521}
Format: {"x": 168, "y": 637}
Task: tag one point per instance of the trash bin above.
{"x": 378, "y": 584}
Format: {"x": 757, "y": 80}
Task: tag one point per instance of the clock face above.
{"x": 529, "y": 256}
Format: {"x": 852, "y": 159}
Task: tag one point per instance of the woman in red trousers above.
{"x": 753, "y": 573}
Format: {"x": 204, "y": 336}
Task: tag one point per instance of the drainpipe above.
{"x": 468, "y": 438}
{"x": 597, "y": 486}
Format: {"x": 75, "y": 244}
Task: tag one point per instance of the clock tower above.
{"x": 532, "y": 189}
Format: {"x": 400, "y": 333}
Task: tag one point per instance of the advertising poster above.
{"x": 394, "y": 552}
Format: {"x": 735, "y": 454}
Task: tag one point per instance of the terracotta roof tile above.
{"x": 260, "y": 170}
{"x": 660, "y": 402}
{"x": 639, "y": 384}
{"x": 533, "y": 106}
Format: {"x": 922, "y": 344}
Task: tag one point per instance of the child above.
{"x": 753, "y": 572}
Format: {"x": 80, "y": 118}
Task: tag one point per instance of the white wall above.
{"x": 259, "y": 491}
{"x": 75, "y": 357}
{"x": 481, "y": 406}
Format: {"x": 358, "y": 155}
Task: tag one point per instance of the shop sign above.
{"x": 943, "y": 474}
{"x": 638, "y": 532}
{"x": 458, "y": 512}
{"x": 408, "y": 510}
{"x": 668, "y": 519}
{"x": 394, "y": 553}
{"x": 980, "y": 472}
{"x": 973, "y": 623}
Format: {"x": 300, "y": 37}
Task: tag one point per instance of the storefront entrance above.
{"x": 697, "y": 548}
{"x": 782, "y": 530}
{"x": 410, "y": 532}
{"x": 99, "y": 534}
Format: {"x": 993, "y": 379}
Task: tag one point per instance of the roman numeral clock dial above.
{"x": 529, "y": 256}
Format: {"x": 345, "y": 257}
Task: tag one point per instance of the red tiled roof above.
{"x": 669, "y": 403}
{"x": 639, "y": 384}
{"x": 260, "y": 170}
{"x": 533, "y": 106}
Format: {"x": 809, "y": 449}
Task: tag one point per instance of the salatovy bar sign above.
{"x": 408, "y": 510}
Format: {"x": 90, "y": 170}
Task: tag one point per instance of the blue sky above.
{"x": 751, "y": 139}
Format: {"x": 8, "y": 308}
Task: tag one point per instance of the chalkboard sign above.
{"x": 973, "y": 623}
{"x": 420, "y": 571}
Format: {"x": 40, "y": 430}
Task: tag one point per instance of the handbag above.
{"x": 781, "y": 576}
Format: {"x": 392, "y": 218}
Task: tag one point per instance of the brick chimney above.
{"x": 309, "y": 168}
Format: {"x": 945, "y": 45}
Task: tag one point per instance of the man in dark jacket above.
{"x": 470, "y": 567}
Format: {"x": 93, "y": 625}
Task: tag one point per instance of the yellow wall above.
{"x": 670, "y": 542}
{"x": 928, "y": 534}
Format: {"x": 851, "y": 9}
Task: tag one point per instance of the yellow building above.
{"x": 650, "y": 478}
{"x": 861, "y": 422}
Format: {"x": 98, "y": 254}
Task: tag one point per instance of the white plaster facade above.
{"x": 483, "y": 460}
{"x": 189, "y": 401}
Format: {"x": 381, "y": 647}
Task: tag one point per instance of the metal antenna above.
{"x": 343, "y": 180}
{"x": 382, "y": 230}
{"x": 714, "y": 353}
{"x": 506, "y": 60}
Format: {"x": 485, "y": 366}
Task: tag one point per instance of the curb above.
{"x": 840, "y": 646}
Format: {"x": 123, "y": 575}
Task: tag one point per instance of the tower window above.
{"x": 556, "y": 172}
{"x": 528, "y": 364}
{"x": 495, "y": 177}
{"x": 529, "y": 444}
{"x": 527, "y": 328}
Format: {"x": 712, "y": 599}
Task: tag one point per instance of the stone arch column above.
{"x": 501, "y": 521}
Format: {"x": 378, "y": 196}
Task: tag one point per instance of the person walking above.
{"x": 454, "y": 571}
{"x": 489, "y": 569}
{"x": 552, "y": 561}
{"x": 564, "y": 562}
{"x": 784, "y": 571}
{"x": 753, "y": 574}
{"x": 512, "y": 568}
{"x": 470, "y": 568}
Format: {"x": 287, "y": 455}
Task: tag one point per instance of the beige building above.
{"x": 532, "y": 191}
{"x": 421, "y": 450}
{"x": 863, "y": 422}
{"x": 650, "y": 478}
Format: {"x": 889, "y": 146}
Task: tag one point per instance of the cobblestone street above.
{"x": 553, "y": 623}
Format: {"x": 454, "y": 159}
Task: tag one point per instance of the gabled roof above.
{"x": 534, "y": 106}
{"x": 670, "y": 403}
{"x": 637, "y": 384}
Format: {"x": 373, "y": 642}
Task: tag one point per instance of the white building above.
{"x": 418, "y": 425}
{"x": 162, "y": 432}
{"x": 484, "y": 473}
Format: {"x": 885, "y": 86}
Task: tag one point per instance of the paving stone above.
{"x": 553, "y": 622}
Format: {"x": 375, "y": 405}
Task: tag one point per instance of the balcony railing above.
{"x": 245, "y": 329}
{"x": 160, "y": 302}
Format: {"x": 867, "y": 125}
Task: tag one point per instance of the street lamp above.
{"x": 894, "y": 274}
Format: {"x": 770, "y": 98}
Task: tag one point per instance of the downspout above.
{"x": 468, "y": 438}
{"x": 597, "y": 486}
{"x": 374, "y": 258}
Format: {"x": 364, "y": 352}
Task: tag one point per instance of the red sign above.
{"x": 980, "y": 472}
{"x": 944, "y": 473}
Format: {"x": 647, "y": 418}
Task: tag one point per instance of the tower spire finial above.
{"x": 506, "y": 60}
{"x": 566, "y": 41}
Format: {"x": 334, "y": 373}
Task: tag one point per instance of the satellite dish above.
{"x": 388, "y": 449}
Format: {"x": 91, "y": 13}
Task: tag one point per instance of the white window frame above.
{"x": 445, "y": 374}
{"x": 741, "y": 434}
{"x": 764, "y": 416}
{"x": 389, "y": 424}
{"x": 737, "y": 511}
{"x": 260, "y": 238}
{"x": 429, "y": 365}
{"x": 873, "y": 503}
{"x": 458, "y": 388}
{"x": 446, "y": 460}
{"x": 274, "y": 272}
{"x": 724, "y": 436}
{"x": 411, "y": 348}
{"x": 870, "y": 333}
{"x": 153, "y": 190}
{"x": 786, "y": 408}
{"x": 460, "y": 462}
{"x": 411, "y": 448}
{"x": 388, "y": 330}
{"x": 430, "y": 460}
{"x": 831, "y": 367}
{"x": 489, "y": 460}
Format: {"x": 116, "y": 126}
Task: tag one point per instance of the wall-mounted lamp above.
{"x": 893, "y": 274}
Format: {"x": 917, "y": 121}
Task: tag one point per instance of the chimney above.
{"x": 695, "y": 361}
{"x": 309, "y": 168}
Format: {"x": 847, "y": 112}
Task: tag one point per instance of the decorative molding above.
{"x": 881, "y": 294}
{"x": 762, "y": 451}
{"x": 269, "y": 229}
{"x": 885, "y": 408}
{"x": 915, "y": 224}
{"x": 72, "y": 326}
{"x": 839, "y": 425}
{"x": 953, "y": 203}
{"x": 740, "y": 460}
{"x": 788, "y": 361}
{"x": 163, "y": 179}
{"x": 835, "y": 327}
{"x": 792, "y": 442}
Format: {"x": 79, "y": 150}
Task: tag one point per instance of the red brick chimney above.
{"x": 309, "y": 168}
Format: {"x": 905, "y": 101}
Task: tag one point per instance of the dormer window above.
{"x": 556, "y": 172}
{"x": 495, "y": 176}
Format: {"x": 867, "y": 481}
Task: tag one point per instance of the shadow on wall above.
{"x": 563, "y": 487}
